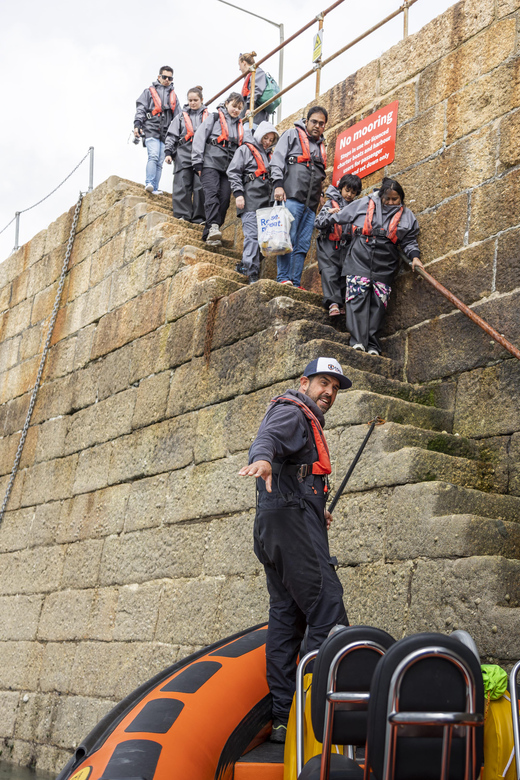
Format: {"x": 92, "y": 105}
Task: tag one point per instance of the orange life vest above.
{"x": 336, "y": 234}
{"x": 391, "y": 233}
{"x": 189, "y": 124}
{"x": 157, "y": 101}
{"x": 246, "y": 89}
{"x": 322, "y": 465}
{"x": 306, "y": 149}
{"x": 261, "y": 169}
{"x": 224, "y": 132}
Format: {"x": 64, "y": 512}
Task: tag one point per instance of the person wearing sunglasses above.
{"x": 297, "y": 170}
{"x": 155, "y": 109}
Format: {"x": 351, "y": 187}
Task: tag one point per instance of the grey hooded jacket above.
{"x": 376, "y": 256}
{"x": 175, "y": 145}
{"x": 241, "y": 172}
{"x": 155, "y": 126}
{"x": 301, "y": 181}
{"x": 260, "y": 85}
{"x": 205, "y": 152}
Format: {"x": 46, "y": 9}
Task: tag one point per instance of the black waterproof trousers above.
{"x": 365, "y": 317}
{"x": 330, "y": 264}
{"x": 188, "y": 196}
{"x": 217, "y": 194}
{"x": 304, "y": 589}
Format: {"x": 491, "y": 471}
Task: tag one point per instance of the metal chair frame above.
{"x": 449, "y": 720}
{"x": 342, "y": 700}
{"x": 513, "y": 690}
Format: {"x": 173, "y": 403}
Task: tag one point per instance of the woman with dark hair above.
{"x": 379, "y": 223}
{"x": 214, "y": 145}
{"x": 245, "y": 61}
{"x": 332, "y": 242}
{"x": 187, "y": 195}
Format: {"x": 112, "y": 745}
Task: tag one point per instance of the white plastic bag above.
{"x": 274, "y": 227}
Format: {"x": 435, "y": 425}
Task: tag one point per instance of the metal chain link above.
{"x": 43, "y": 357}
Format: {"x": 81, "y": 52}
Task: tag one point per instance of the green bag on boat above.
{"x": 495, "y": 681}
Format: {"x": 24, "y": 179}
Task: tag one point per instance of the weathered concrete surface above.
{"x": 127, "y": 543}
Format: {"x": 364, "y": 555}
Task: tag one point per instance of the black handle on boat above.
{"x": 376, "y": 421}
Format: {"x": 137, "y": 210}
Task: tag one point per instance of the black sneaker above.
{"x": 239, "y": 268}
{"x": 279, "y": 731}
{"x": 253, "y": 278}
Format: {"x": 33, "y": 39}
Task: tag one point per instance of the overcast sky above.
{"x": 70, "y": 74}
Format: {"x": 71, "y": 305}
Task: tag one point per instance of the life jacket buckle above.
{"x": 304, "y": 471}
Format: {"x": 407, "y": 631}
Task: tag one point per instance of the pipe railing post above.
{"x": 252, "y": 96}
{"x": 405, "y": 19}
{"x": 16, "y": 231}
{"x": 91, "y": 170}
{"x": 280, "y": 73}
{"x": 318, "y": 61}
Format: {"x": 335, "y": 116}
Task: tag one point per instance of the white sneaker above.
{"x": 373, "y": 351}
{"x": 157, "y": 192}
{"x": 359, "y": 347}
{"x": 214, "y": 232}
{"x": 148, "y": 187}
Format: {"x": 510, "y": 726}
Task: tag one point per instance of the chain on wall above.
{"x": 43, "y": 357}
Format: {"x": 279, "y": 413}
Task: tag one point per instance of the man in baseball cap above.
{"x": 291, "y": 462}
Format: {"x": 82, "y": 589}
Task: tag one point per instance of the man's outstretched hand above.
{"x": 260, "y": 468}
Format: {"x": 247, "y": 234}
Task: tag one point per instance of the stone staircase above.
{"x": 422, "y": 497}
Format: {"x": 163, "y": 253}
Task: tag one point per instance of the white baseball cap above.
{"x": 325, "y": 365}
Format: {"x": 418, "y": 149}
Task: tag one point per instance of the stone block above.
{"x": 358, "y": 533}
{"x": 84, "y": 340}
{"x": 468, "y": 274}
{"x": 45, "y": 524}
{"x": 16, "y": 319}
{"x": 56, "y": 666}
{"x": 58, "y": 231}
{"x": 103, "y": 614}
{"x": 50, "y": 759}
{"x": 77, "y": 281}
{"x": 19, "y": 379}
{"x": 20, "y": 665}
{"x": 442, "y": 229}
{"x": 153, "y": 450}
{"x": 93, "y": 515}
{"x": 106, "y": 669}
{"x": 488, "y": 401}
{"x": 131, "y": 320}
{"x": 137, "y": 611}
{"x": 147, "y": 503}
{"x": 107, "y": 258}
{"x": 175, "y": 623}
{"x": 419, "y": 138}
{"x": 505, "y": 7}
{"x": 16, "y": 528}
{"x": 359, "y": 406}
{"x": 32, "y": 341}
{"x": 215, "y": 489}
{"x": 479, "y": 594}
{"x": 93, "y": 468}
{"x": 65, "y": 615}
{"x": 50, "y": 481}
{"x": 114, "y": 373}
{"x": 18, "y": 288}
{"x": 514, "y": 467}
{"x": 51, "y": 438}
{"x": 244, "y": 602}
{"x": 195, "y": 286}
{"x": 54, "y": 399}
{"x": 81, "y": 565}
{"x": 60, "y": 359}
{"x": 507, "y": 261}
{"x": 87, "y": 241}
{"x": 19, "y": 617}
{"x": 8, "y": 710}
{"x": 35, "y": 715}
{"x": 476, "y": 57}
{"x": 75, "y": 717}
{"x": 483, "y": 100}
{"x": 228, "y": 548}
{"x": 464, "y": 164}
{"x": 152, "y": 554}
{"x": 505, "y": 211}
{"x": 9, "y": 352}
{"x": 45, "y": 272}
{"x": 101, "y": 422}
{"x": 43, "y": 303}
{"x": 453, "y": 343}
{"x": 151, "y": 400}
{"x": 350, "y": 95}
{"x": 129, "y": 281}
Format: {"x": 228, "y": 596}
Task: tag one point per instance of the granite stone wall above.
{"x": 127, "y": 543}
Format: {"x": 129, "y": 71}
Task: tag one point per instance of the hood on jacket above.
{"x": 332, "y": 193}
{"x": 264, "y": 128}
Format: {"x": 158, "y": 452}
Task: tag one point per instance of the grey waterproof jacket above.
{"x": 376, "y": 257}
{"x": 205, "y": 152}
{"x": 260, "y": 85}
{"x": 301, "y": 181}
{"x": 241, "y": 172}
{"x": 155, "y": 126}
{"x": 175, "y": 144}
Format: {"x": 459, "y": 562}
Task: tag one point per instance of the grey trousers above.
{"x": 251, "y": 253}
{"x": 187, "y": 196}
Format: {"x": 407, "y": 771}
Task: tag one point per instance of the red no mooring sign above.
{"x": 368, "y": 145}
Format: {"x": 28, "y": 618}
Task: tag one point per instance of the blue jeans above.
{"x": 155, "y": 149}
{"x": 290, "y": 266}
